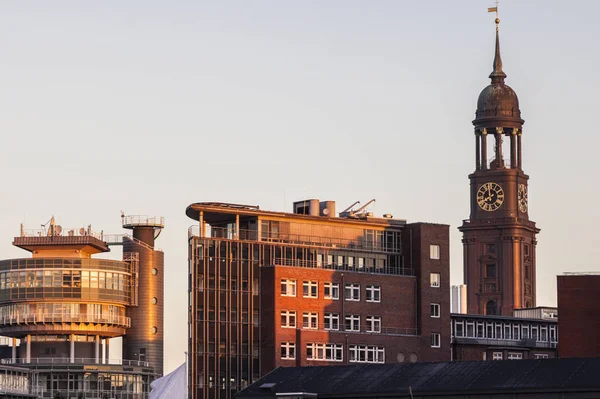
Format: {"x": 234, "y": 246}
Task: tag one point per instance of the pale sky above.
{"x": 148, "y": 106}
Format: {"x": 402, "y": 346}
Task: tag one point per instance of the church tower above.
{"x": 499, "y": 240}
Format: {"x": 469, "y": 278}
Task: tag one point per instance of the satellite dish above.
{"x": 57, "y": 230}
{"x": 82, "y": 231}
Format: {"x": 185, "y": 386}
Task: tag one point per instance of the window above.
{"x": 331, "y": 352}
{"x": 332, "y": 321}
{"x": 310, "y": 289}
{"x": 515, "y": 356}
{"x": 331, "y": 291}
{"x": 434, "y": 251}
{"x": 471, "y": 329}
{"x": 329, "y": 260}
{"x": 350, "y": 261}
{"x": 459, "y": 329}
{"x": 352, "y": 322}
{"x": 288, "y": 287}
{"x": 288, "y": 350}
{"x": 374, "y": 324}
{"x": 353, "y": 292}
{"x": 540, "y": 356}
{"x": 310, "y": 320}
{"x": 366, "y": 354}
{"x": 490, "y": 249}
{"x": 490, "y": 270}
{"x": 142, "y": 354}
{"x": 434, "y": 279}
{"x": 434, "y": 310}
{"x": 373, "y": 293}
{"x": 497, "y": 356}
{"x": 288, "y": 319}
{"x": 361, "y": 263}
{"x": 435, "y": 340}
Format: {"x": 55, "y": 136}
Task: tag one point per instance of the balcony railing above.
{"x": 410, "y": 332}
{"x": 64, "y": 318}
{"x": 77, "y": 360}
{"x": 527, "y": 342}
{"x": 294, "y": 239}
{"x": 143, "y": 220}
{"x": 401, "y": 271}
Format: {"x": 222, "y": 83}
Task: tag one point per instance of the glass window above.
{"x": 288, "y": 350}
{"x": 310, "y": 289}
{"x": 373, "y": 293}
{"x": 374, "y": 324}
{"x": 310, "y": 320}
{"x": 352, "y": 322}
{"x": 435, "y": 340}
{"x": 353, "y": 292}
{"x": 109, "y": 281}
{"x": 434, "y": 251}
{"x": 497, "y": 356}
{"x": 434, "y": 280}
{"x": 332, "y": 321}
{"x": 434, "y": 310}
{"x": 288, "y": 319}
{"x": 331, "y": 290}
{"x": 76, "y": 278}
{"x": 288, "y": 287}
{"x": 93, "y": 279}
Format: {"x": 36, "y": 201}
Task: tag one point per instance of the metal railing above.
{"x": 297, "y": 239}
{"x": 117, "y": 239}
{"x": 527, "y": 342}
{"x": 56, "y": 232}
{"x": 64, "y": 318}
{"x": 77, "y": 360}
{"x": 411, "y": 332}
{"x": 401, "y": 271}
{"x": 143, "y": 220}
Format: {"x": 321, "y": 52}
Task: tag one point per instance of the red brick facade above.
{"x": 579, "y": 311}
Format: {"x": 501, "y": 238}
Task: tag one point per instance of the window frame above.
{"x": 435, "y": 280}
{"x": 334, "y": 288}
{"x": 434, "y": 251}
{"x": 288, "y": 314}
{"x": 434, "y": 310}
{"x": 373, "y": 291}
{"x": 310, "y": 289}
{"x": 373, "y": 324}
{"x": 329, "y": 319}
{"x": 288, "y": 283}
{"x": 352, "y": 288}
{"x": 310, "y": 320}
{"x": 290, "y": 347}
{"x": 352, "y": 322}
{"x": 436, "y": 340}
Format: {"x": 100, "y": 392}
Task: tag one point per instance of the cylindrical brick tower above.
{"x": 144, "y": 339}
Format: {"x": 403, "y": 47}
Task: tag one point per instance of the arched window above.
{"x": 490, "y": 308}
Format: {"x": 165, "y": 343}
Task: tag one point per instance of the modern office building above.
{"x": 579, "y": 307}
{"x": 529, "y": 334}
{"x": 63, "y": 305}
{"x": 270, "y": 289}
{"x": 499, "y": 239}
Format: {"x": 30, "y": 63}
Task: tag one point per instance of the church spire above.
{"x": 497, "y": 74}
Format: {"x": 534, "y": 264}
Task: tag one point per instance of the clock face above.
{"x": 522, "y": 198}
{"x": 490, "y": 196}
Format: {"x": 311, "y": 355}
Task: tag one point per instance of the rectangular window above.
{"x": 434, "y": 280}
{"x": 319, "y": 260}
{"x": 374, "y": 324}
{"x": 435, "y": 340}
{"x": 490, "y": 271}
{"x": 459, "y": 329}
{"x": 340, "y": 261}
{"x": 540, "y": 356}
{"x": 325, "y": 352}
{"x": 310, "y": 289}
{"x": 352, "y": 322}
{"x": 288, "y": 319}
{"x": 373, "y": 293}
{"x": 516, "y": 333}
{"x": 525, "y": 332}
{"x": 350, "y": 261}
{"x": 514, "y": 356}
{"x": 288, "y": 287}
{"x": 553, "y": 337}
{"x": 434, "y": 310}
{"x": 329, "y": 260}
{"x": 331, "y": 290}
{"x": 490, "y": 249}
{"x": 434, "y": 251}
{"x": 288, "y": 350}
{"x": 366, "y": 354}
{"x": 507, "y": 331}
{"x": 497, "y": 356}
{"x": 470, "y": 329}
{"x": 310, "y": 320}
{"x": 332, "y": 321}
{"x": 480, "y": 330}
{"x": 361, "y": 263}
{"x": 353, "y": 292}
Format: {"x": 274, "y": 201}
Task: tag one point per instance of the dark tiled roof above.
{"x": 465, "y": 377}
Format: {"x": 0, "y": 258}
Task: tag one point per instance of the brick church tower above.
{"x": 499, "y": 240}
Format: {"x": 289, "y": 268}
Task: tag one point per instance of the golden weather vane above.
{"x": 495, "y": 9}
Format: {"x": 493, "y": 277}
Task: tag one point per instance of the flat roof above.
{"x": 222, "y": 212}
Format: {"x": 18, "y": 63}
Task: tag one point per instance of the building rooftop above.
{"x": 548, "y": 375}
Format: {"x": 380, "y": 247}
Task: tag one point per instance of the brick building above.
{"x": 579, "y": 306}
{"x": 270, "y": 289}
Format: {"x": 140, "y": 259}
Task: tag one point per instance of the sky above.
{"x": 148, "y": 106}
